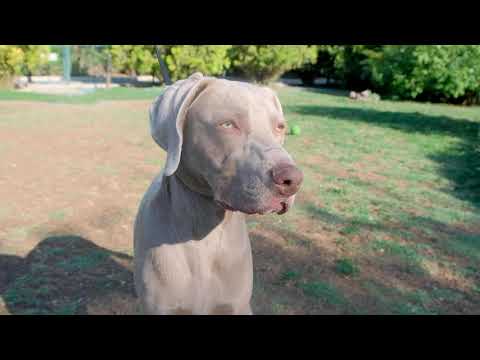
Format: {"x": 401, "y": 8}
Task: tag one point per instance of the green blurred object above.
{"x": 67, "y": 63}
{"x": 295, "y": 130}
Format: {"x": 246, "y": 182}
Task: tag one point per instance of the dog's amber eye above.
{"x": 281, "y": 127}
{"x": 227, "y": 125}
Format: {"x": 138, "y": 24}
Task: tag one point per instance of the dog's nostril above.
{"x": 287, "y": 177}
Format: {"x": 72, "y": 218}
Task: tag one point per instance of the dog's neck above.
{"x": 193, "y": 183}
{"x": 197, "y": 215}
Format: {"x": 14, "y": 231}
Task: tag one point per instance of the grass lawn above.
{"x": 387, "y": 221}
{"x": 116, "y": 93}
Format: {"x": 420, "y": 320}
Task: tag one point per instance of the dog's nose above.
{"x": 287, "y": 178}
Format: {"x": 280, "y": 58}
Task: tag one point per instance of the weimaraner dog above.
{"x": 224, "y": 159}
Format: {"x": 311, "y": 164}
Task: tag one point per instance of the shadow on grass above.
{"x": 446, "y": 239}
{"x": 460, "y": 164}
{"x": 406, "y": 121}
{"x": 300, "y": 278}
{"x": 68, "y": 275}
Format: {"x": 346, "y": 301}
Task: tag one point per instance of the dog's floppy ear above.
{"x": 168, "y": 113}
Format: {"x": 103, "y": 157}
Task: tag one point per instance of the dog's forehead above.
{"x": 240, "y": 99}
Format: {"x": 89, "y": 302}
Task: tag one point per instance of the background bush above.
{"x": 437, "y": 73}
{"x": 353, "y": 66}
{"x": 11, "y": 61}
{"x": 265, "y": 63}
{"x": 447, "y": 73}
{"x": 324, "y": 66}
{"x": 35, "y": 56}
{"x": 133, "y": 59}
{"x": 184, "y": 60}
{"x": 347, "y": 65}
{"x": 90, "y": 59}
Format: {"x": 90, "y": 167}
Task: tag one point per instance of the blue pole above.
{"x": 67, "y": 62}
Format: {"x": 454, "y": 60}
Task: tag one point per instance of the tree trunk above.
{"x": 163, "y": 67}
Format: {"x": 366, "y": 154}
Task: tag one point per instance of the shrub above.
{"x": 11, "y": 60}
{"x": 265, "y": 63}
{"x": 133, "y": 59}
{"x": 348, "y": 65}
{"x": 353, "y": 64}
{"x": 35, "y": 56}
{"x": 184, "y": 60}
{"x": 89, "y": 59}
{"x": 447, "y": 73}
{"x": 323, "y": 67}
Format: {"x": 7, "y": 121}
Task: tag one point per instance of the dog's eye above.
{"x": 280, "y": 127}
{"x": 227, "y": 125}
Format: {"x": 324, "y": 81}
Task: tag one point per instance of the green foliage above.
{"x": 323, "y": 67}
{"x": 449, "y": 73}
{"x": 89, "y": 59}
{"x": 35, "y": 56}
{"x": 133, "y": 59}
{"x": 265, "y": 63}
{"x": 352, "y": 64}
{"x": 11, "y": 59}
{"x": 446, "y": 73}
{"x": 184, "y": 60}
{"x": 347, "y": 64}
{"x": 346, "y": 267}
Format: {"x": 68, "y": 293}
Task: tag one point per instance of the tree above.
{"x": 11, "y": 59}
{"x": 162, "y": 65}
{"x": 89, "y": 59}
{"x": 324, "y": 66}
{"x": 266, "y": 63}
{"x": 184, "y": 60}
{"x": 35, "y": 56}
{"x": 133, "y": 59}
{"x": 352, "y": 64}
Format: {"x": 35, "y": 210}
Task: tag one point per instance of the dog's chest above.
{"x": 222, "y": 254}
{"x": 221, "y": 268}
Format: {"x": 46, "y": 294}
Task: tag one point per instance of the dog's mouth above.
{"x": 278, "y": 207}
{"x": 225, "y": 206}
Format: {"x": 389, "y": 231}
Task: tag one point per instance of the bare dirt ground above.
{"x": 75, "y": 178}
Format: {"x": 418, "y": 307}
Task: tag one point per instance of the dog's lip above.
{"x": 225, "y": 206}
{"x": 282, "y": 208}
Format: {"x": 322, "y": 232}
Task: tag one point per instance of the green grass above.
{"x": 324, "y": 292}
{"x": 346, "y": 267}
{"x": 393, "y": 176}
{"x": 112, "y": 94}
{"x": 290, "y": 275}
{"x": 407, "y": 257}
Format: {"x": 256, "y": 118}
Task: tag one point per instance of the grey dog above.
{"x": 225, "y": 158}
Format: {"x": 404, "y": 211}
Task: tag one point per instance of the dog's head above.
{"x": 225, "y": 139}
